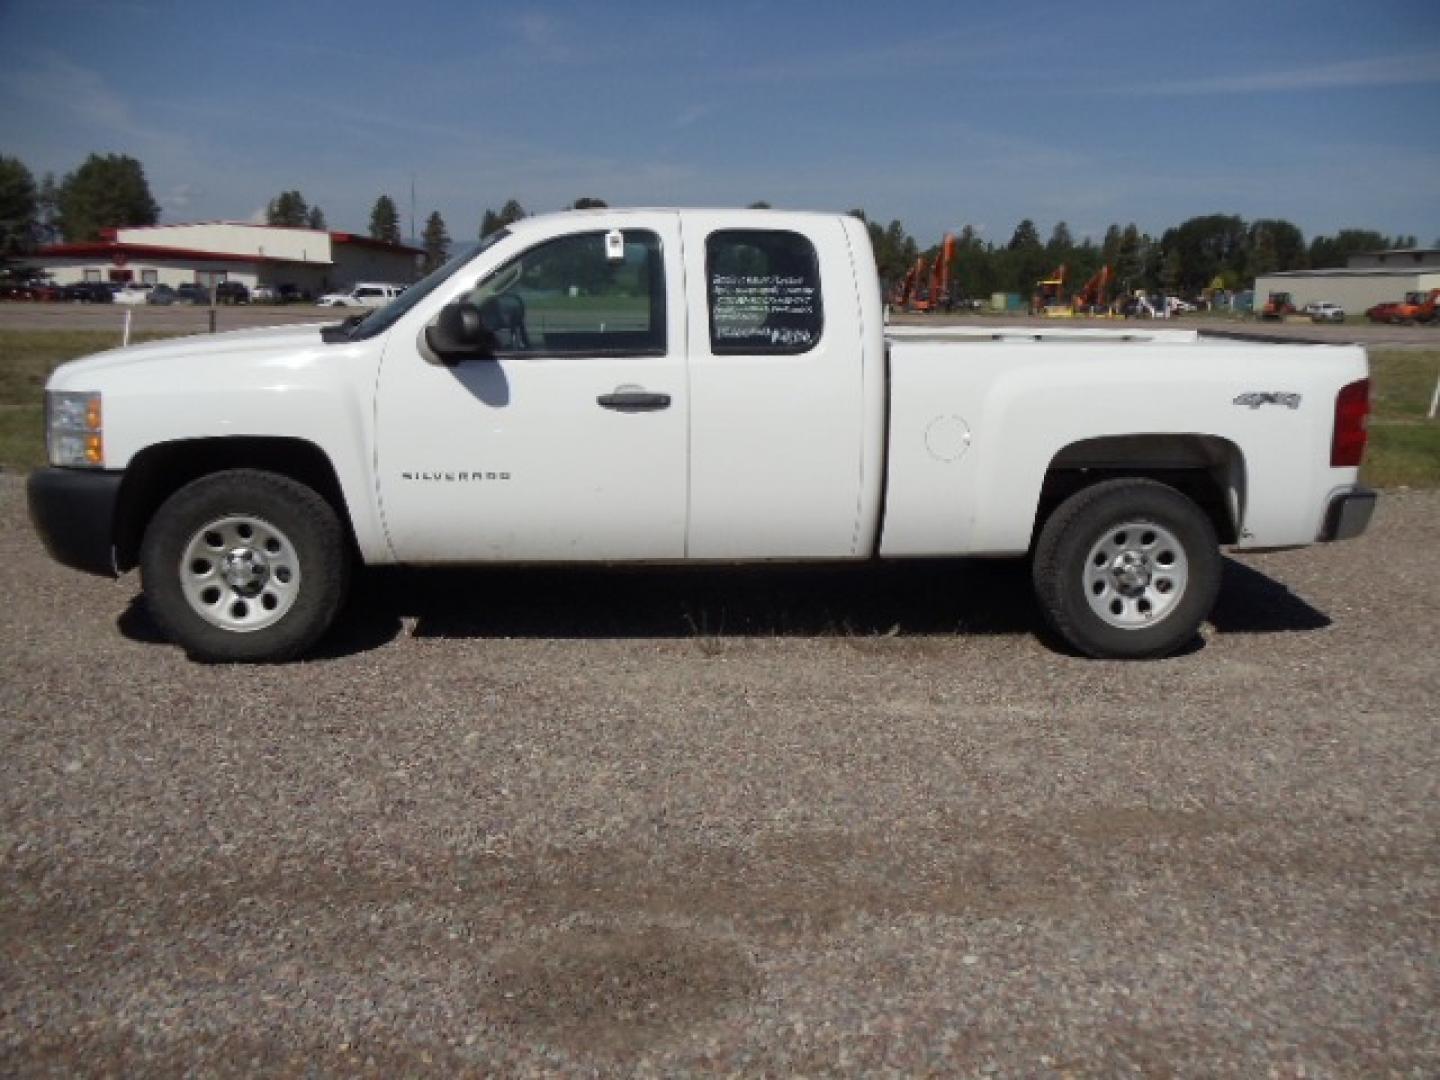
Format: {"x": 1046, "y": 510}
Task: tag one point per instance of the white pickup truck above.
{"x": 673, "y": 386}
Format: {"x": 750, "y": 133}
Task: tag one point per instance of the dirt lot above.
{"x": 778, "y": 822}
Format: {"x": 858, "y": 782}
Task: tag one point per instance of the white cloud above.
{"x": 689, "y": 117}
{"x": 182, "y": 196}
{"x": 1405, "y": 70}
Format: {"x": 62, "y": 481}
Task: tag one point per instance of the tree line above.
{"x": 1213, "y": 251}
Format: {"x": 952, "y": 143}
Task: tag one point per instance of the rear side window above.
{"x": 764, "y": 292}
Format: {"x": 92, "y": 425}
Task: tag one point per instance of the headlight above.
{"x": 74, "y": 429}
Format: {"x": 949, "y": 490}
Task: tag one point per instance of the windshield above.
{"x": 383, "y": 318}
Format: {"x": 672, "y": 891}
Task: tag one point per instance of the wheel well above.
{"x": 157, "y": 472}
{"x": 1207, "y": 469}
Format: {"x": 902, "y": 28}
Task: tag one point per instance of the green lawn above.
{"x": 1404, "y": 445}
{"x": 26, "y": 359}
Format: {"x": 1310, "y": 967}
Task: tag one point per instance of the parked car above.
{"x": 1324, "y": 311}
{"x": 161, "y": 294}
{"x": 263, "y": 294}
{"x": 288, "y": 293}
{"x": 1383, "y": 312}
{"x": 133, "y": 293}
{"x": 232, "y": 292}
{"x": 509, "y": 417}
{"x": 88, "y": 292}
{"x": 365, "y": 294}
{"x": 191, "y": 293}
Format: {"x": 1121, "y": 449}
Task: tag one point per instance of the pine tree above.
{"x": 385, "y": 221}
{"x": 1025, "y": 238}
{"x": 316, "y": 219}
{"x": 1061, "y": 242}
{"x": 288, "y": 209}
{"x": 436, "y": 242}
{"x": 18, "y": 208}
{"x": 494, "y": 221}
{"x": 1129, "y": 259}
{"x": 1110, "y": 246}
{"x": 104, "y": 193}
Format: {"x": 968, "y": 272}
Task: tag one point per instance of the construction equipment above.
{"x": 904, "y": 292}
{"x": 1093, "y": 297}
{"x": 1049, "y": 298}
{"x": 939, "y": 291}
{"x": 1278, "y": 305}
{"x": 1417, "y": 307}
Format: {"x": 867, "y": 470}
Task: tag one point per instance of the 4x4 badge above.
{"x": 1256, "y": 398}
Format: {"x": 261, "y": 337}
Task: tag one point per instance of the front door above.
{"x": 569, "y": 445}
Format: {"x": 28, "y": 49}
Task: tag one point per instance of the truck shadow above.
{"x": 911, "y": 598}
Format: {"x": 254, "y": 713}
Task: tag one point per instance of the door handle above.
{"x": 633, "y": 401}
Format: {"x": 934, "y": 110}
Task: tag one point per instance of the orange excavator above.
{"x": 939, "y": 293}
{"x": 1093, "y": 297}
{"x": 1049, "y": 298}
{"x": 903, "y": 296}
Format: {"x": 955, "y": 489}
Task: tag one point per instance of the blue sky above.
{"x": 939, "y": 114}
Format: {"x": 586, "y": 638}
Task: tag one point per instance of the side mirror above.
{"x": 460, "y": 334}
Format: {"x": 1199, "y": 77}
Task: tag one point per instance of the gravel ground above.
{"x": 775, "y": 822}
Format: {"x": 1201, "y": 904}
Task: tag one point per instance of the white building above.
{"x": 1367, "y": 279}
{"x": 312, "y": 260}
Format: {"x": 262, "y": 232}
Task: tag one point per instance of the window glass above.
{"x": 764, "y": 292}
{"x": 92, "y": 275}
{"x": 381, "y": 319}
{"x": 566, "y": 298}
{"x": 150, "y": 277}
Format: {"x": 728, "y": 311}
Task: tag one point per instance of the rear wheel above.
{"x": 244, "y": 566}
{"x": 1127, "y": 569}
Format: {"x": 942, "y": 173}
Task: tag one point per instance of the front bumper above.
{"x": 73, "y": 510}
{"x": 1349, "y": 515}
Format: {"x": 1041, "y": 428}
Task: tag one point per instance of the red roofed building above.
{"x": 208, "y": 252}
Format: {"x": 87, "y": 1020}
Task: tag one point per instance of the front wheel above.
{"x": 1127, "y": 569}
{"x": 244, "y": 566}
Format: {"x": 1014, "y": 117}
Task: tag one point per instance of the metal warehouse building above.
{"x": 213, "y": 251}
{"x": 1366, "y": 280}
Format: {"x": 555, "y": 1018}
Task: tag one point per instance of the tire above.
{"x": 1127, "y": 570}
{"x": 244, "y": 566}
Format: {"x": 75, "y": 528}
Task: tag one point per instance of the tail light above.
{"x": 1352, "y": 416}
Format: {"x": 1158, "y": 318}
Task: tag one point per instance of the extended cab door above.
{"x": 569, "y": 444}
{"x": 777, "y": 417}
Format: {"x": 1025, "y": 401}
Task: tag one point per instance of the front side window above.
{"x": 764, "y": 292}
{"x": 568, "y": 297}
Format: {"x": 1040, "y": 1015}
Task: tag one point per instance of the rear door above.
{"x": 776, "y": 394}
